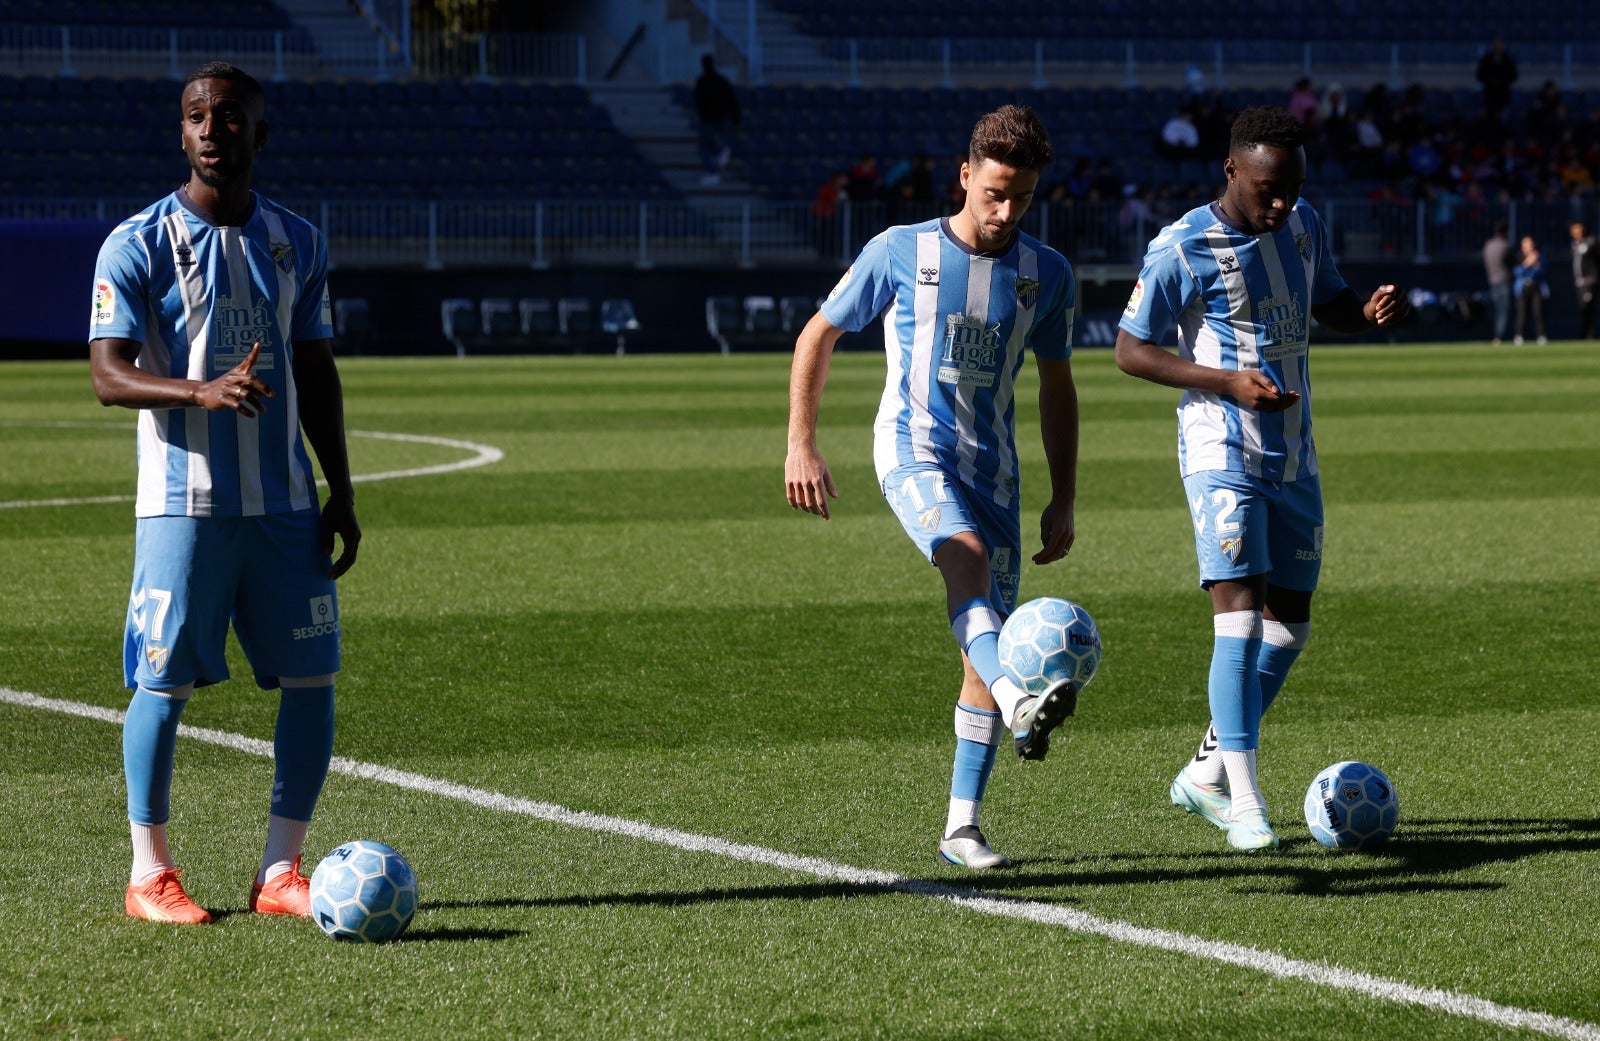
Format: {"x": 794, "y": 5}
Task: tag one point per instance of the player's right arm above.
{"x": 118, "y": 381}
{"x": 1166, "y": 288}
{"x": 806, "y": 478}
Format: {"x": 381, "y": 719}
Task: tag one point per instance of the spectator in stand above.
{"x": 1081, "y": 180}
{"x": 1531, "y": 289}
{"x": 1585, "y": 277}
{"x": 1497, "y": 72}
{"x": 1336, "y": 123}
{"x": 1548, "y": 117}
{"x": 833, "y": 191}
{"x": 921, "y": 177}
{"x": 1303, "y": 101}
{"x": 1180, "y": 139}
{"x": 865, "y": 184}
{"x": 1497, "y": 268}
{"x": 1368, "y": 149}
{"x": 718, "y": 108}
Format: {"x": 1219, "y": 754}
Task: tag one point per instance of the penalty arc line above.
{"x": 482, "y": 455}
{"x": 1281, "y": 966}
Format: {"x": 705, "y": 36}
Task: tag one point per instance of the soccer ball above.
{"x": 1048, "y": 640}
{"x": 363, "y": 891}
{"x": 1352, "y": 806}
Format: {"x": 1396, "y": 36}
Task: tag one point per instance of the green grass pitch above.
{"x": 622, "y": 616}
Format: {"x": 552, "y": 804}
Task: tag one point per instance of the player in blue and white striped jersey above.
{"x": 211, "y": 319}
{"x": 962, "y": 299}
{"x": 1240, "y": 279}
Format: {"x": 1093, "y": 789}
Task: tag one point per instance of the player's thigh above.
{"x": 932, "y": 505}
{"x": 1295, "y": 532}
{"x": 185, "y": 572}
{"x": 286, "y": 613}
{"x": 1229, "y": 512}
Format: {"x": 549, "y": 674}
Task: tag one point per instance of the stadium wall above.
{"x": 46, "y": 271}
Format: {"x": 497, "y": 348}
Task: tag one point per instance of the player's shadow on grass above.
{"x": 684, "y": 897}
{"x": 1422, "y": 858}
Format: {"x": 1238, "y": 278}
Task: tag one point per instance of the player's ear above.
{"x": 966, "y": 175}
{"x": 1229, "y": 169}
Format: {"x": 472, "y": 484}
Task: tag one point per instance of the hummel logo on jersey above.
{"x": 185, "y": 256}
{"x": 1227, "y": 262}
{"x": 928, "y": 276}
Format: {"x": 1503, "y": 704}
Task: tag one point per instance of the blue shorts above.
{"x": 933, "y": 505}
{"x": 192, "y": 575}
{"x": 1246, "y": 526}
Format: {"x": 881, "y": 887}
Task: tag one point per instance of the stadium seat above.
{"x": 538, "y": 317}
{"x": 500, "y": 318}
{"x": 460, "y": 320}
{"x": 795, "y": 312}
{"x": 723, "y": 317}
{"x": 352, "y": 323}
{"x": 761, "y": 316}
{"x": 575, "y": 316}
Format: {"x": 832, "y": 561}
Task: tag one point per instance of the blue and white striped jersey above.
{"x": 197, "y": 297}
{"x": 1239, "y": 302}
{"x": 956, "y": 324}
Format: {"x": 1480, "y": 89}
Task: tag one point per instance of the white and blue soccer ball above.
{"x": 1048, "y": 640}
{"x": 363, "y": 891}
{"x": 1352, "y": 806}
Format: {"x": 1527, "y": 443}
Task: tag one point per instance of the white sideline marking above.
{"x": 482, "y": 455}
{"x": 1376, "y": 987}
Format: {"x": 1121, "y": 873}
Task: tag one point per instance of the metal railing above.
{"x": 130, "y": 51}
{"x": 541, "y": 234}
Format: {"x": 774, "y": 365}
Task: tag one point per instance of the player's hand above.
{"x": 1387, "y": 306}
{"x": 1254, "y": 389}
{"x": 808, "y": 481}
{"x": 1056, "y": 533}
{"x": 238, "y": 388}
{"x": 339, "y": 518}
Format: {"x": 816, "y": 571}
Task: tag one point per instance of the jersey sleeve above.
{"x": 1165, "y": 288}
{"x": 1051, "y": 335}
{"x": 864, "y": 291}
{"x": 313, "y": 315}
{"x": 1329, "y": 282}
{"x": 121, "y": 286}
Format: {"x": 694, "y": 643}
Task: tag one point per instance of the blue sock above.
{"x": 977, "y": 629}
{"x": 974, "y": 758}
{"x": 1234, "y": 688}
{"x": 149, "y": 742}
{"x": 302, "y": 746}
{"x": 1272, "y": 666}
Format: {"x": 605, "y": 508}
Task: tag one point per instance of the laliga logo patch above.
{"x": 1302, "y": 242}
{"x": 1230, "y": 547}
{"x": 929, "y": 518}
{"x": 157, "y": 657}
{"x": 283, "y": 256}
{"x": 843, "y": 281}
{"x": 1133, "y": 300}
{"x": 105, "y": 303}
{"x": 1027, "y": 292}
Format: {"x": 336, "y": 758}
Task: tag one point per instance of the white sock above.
{"x": 963, "y": 812}
{"x": 150, "y": 853}
{"x": 1007, "y": 696}
{"x": 1207, "y": 767}
{"x": 1247, "y": 797}
{"x": 285, "y": 839}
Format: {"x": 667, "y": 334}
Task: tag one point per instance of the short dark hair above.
{"x": 1266, "y": 125}
{"x": 1013, "y": 136}
{"x": 221, "y": 70}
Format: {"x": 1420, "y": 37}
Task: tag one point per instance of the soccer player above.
{"x": 211, "y": 319}
{"x": 1238, "y": 278}
{"x": 962, "y": 299}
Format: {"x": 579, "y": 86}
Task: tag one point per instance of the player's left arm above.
{"x": 1348, "y": 313}
{"x": 1058, "y": 423}
{"x": 321, "y": 398}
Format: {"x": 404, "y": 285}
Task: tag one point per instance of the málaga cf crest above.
{"x": 1027, "y": 292}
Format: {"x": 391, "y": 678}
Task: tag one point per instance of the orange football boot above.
{"x": 162, "y": 899}
{"x": 289, "y": 893}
